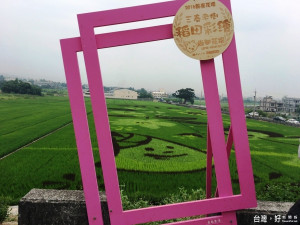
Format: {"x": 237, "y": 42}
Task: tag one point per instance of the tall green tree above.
{"x": 143, "y": 93}
{"x": 20, "y": 87}
{"x": 1, "y": 80}
{"x": 187, "y": 94}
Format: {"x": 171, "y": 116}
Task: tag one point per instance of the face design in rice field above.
{"x": 147, "y": 153}
{"x": 161, "y": 154}
{"x": 259, "y": 134}
{"x": 130, "y": 124}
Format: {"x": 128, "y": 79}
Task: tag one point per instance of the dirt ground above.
{"x": 13, "y": 216}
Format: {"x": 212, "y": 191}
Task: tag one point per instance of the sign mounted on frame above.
{"x": 203, "y": 29}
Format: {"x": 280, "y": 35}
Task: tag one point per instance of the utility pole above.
{"x": 254, "y": 103}
{"x": 290, "y": 106}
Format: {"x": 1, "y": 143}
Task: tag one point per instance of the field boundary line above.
{"x": 285, "y": 143}
{"x": 34, "y": 124}
{"x": 30, "y": 143}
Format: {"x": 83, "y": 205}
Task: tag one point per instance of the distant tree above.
{"x": 107, "y": 89}
{"x": 46, "y": 86}
{"x": 63, "y": 85}
{"x": 131, "y": 88}
{"x": 31, "y": 81}
{"x": 248, "y": 110}
{"x": 20, "y": 87}
{"x": 1, "y": 80}
{"x": 262, "y": 113}
{"x": 142, "y": 93}
{"x": 35, "y": 90}
{"x": 224, "y": 99}
{"x": 248, "y": 100}
{"x": 187, "y": 94}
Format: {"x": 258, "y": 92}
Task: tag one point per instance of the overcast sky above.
{"x": 267, "y": 36}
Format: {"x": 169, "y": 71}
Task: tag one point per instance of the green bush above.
{"x": 127, "y": 204}
{"x": 3, "y": 208}
{"x": 182, "y": 196}
{"x": 248, "y": 110}
{"x": 286, "y": 192}
{"x": 264, "y": 114}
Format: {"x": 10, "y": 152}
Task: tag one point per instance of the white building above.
{"x": 290, "y": 104}
{"x": 159, "y": 94}
{"x": 268, "y": 104}
{"x": 122, "y": 94}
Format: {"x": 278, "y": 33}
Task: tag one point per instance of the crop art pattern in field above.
{"x": 157, "y": 155}
{"x": 48, "y": 162}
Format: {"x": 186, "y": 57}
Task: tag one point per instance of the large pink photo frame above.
{"x": 89, "y": 43}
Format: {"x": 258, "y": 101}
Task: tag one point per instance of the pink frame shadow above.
{"x": 89, "y": 43}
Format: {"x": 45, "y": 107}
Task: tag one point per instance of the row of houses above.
{"x": 123, "y": 93}
{"x": 286, "y": 105}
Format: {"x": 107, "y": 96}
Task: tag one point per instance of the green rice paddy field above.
{"x": 158, "y": 147}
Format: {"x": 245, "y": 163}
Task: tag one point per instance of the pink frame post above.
{"x": 89, "y": 43}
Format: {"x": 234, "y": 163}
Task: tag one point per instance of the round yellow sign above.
{"x": 203, "y": 29}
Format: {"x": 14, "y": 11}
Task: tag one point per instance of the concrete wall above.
{"x": 63, "y": 207}
{"x": 56, "y": 207}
